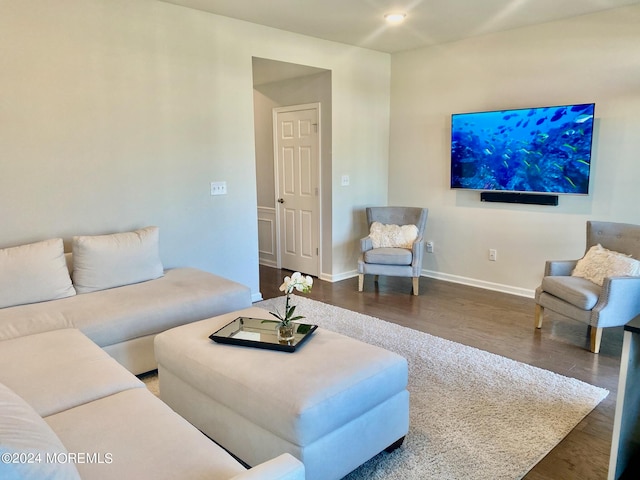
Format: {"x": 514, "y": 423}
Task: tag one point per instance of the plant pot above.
{"x": 285, "y": 332}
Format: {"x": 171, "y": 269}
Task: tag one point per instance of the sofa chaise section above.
{"x": 100, "y": 419}
{"x": 59, "y": 370}
{"x": 138, "y": 436}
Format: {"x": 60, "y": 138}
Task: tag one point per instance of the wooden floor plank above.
{"x": 502, "y": 324}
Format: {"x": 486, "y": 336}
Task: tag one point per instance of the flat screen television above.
{"x": 535, "y": 150}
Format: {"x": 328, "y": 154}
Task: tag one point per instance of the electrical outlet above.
{"x": 218, "y": 188}
{"x": 345, "y": 180}
{"x": 493, "y": 254}
{"x": 430, "y": 247}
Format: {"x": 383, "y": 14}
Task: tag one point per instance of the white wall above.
{"x": 118, "y": 113}
{"x": 593, "y": 58}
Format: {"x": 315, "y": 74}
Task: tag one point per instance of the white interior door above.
{"x": 297, "y": 154}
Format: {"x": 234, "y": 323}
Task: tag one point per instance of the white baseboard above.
{"x": 268, "y": 263}
{"x": 473, "y": 282}
{"x": 340, "y": 276}
{"x": 256, "y": 297}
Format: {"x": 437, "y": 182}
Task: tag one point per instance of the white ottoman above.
{"x": 334, "y": 403}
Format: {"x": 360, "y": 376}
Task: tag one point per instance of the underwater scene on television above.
{"x": 526, "y": 150}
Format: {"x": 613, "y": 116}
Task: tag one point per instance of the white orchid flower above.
{"x": 285, "y": 285}
{"x": 296, "y": 282}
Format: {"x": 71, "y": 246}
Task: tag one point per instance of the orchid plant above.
{"x": 296, "y": 282}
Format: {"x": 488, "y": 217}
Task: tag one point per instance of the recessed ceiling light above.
{"x": 395, "y": 17}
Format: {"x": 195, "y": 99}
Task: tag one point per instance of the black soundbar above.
{"x": 513, "y": 197}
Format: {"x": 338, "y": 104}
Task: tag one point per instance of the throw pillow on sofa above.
{"x": 32, "y": 273}
{"x": 114, "y": 260}
{"x": 29, "y": 448}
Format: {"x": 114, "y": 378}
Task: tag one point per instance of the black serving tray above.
{"x": 261, "y": 333}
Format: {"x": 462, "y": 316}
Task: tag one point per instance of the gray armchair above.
{"x": 612, "y": 305}
{"x": 399, "y": 262}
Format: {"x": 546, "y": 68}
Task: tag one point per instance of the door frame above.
{"x": 276, "y": 170}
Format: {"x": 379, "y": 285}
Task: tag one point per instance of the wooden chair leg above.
{"x": 416, "y": 281}
{"x": 375, "y": 278}
{"x": 360, "y": 282}
{"x": 596, "y": 338}
{"x": 539, "y": 315}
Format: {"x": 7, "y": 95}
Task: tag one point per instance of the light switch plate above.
{"x": 218, "y": 188}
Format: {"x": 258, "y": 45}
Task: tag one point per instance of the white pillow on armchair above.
{"x": 394, "y": 236}
{"x": 599, "y": 263}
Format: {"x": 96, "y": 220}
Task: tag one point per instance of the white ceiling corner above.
{"x": 428, "y": 22}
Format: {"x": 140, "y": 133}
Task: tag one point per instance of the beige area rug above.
{"x": 473, "y": 415}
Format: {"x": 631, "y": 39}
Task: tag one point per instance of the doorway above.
{"x": 277, "y": 85}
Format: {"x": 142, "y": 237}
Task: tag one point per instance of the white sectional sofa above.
{"x": 120, "y": 296}
{"x": 68, "y": 406}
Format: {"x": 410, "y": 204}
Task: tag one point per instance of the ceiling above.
{"x": 428, "y": 22}
{"x": 267, "y": 71}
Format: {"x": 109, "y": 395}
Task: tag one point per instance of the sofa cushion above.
{"x": 107, "y": 261}
{"x": 145, "y": 440}
{"x": 57, "y": 370}
{"x": 599, "y": 263}
{"x": 182, "y": 296}
{"x": 31, "y": 273}
{"x": 394, "y": 236}
{"x": 27, "y": 443}
{"x": 23, "y": 320}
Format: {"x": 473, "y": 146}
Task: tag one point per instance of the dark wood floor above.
{"x": 502, "y": 324}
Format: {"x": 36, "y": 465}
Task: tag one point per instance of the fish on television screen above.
{"x": 537, "y": 150}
